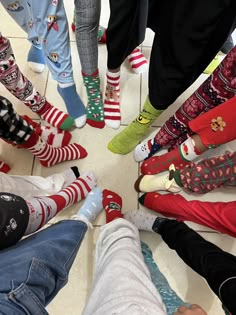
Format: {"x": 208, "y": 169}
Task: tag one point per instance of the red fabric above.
{"x": 112, "y": 204}
{"x": 220, "y": 216}
{"x": 217, "y": 126}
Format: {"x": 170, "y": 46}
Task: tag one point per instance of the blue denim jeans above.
{"x": 36, "y": 268}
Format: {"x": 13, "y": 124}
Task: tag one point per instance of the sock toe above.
{"x": 80, "y": 121}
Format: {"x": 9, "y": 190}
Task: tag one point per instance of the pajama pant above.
{"x": 45, "y": 22}
{"x": 219, "y": 216}
{"x": 122, "y": 283}
{"x": 219, "y": 87}
{"x": 209, "y": 174}
{"x": 215, "y": 265}
{"x": 180, "y": 51}
{"x": 13, "y": 80}
{"x": 13, "y": 128}
{"x": 87, "y": 15}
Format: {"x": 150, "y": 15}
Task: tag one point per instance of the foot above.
{"x": 138, "y": 62}
{"x": 102, "y": 37}
{"x": 145, "y": 150}
{"x": 35, "y": 59}
{"x": 74, "y": 104}
{"x": 141, "y": 219}
{"x": 112, "y": 204}
{"x": 161, "y": 181}
{"x": 92, "y": 206}
{"x": 4, "y": 168}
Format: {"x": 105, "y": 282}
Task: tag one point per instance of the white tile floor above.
{"x": 114, "y": 172}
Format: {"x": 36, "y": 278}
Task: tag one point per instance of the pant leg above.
{"x": 181, "y": 51}
{"x": 122, "y": 282}
{"x": 34, "y": 270}
{"x": 13, "y": 128}
{"x": 212, "y": 263}
{"x": 30, "y": 186}
{"x": 220, "y": 216}
{"x": 122, "y": 31}
{"x": 209, "y": 174}
{"x": 171, "y": 300}
{"x": 87, "y": 15}
{"x": 52, "y": 28}
{"x": 21, "y": 13}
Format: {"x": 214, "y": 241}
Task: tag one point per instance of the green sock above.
{"x": 95, "y": 112}
{"x": 127, "y": 139}
{"x": 67, "y": 123}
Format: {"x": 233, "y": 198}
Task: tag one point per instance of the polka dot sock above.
{"x": 137, "y": 61}
{"x": 48, "y": 155}
{"x": 95, "y": 112}
{"x": 141, "y": 219}
{"x": 112, "y": 100}
{"x": 112, "y": 204}
{"x": 91, "y": 207}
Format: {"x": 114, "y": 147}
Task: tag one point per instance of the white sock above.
{"x": 141, "y": 219}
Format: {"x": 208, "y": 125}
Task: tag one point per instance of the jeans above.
{"x": 34, "y": 270}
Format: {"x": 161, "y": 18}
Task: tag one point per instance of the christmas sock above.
{"x": 112, "y": 203}
{"x": 112, "y": 100}
{"x": 48, "y": 155}
{"x": 4, "y": 168}
{"x": 127, "y": 140}
{"x": 180, "y": 156}
{"x": 43, "y": 209}
{"x": 146, "y": 149}
{"x": 55, "y": 117}
{"x": 91, "y": 207}
{"x": 35, "y": 60}
{"x": 141, "y": 219}
{"x": 148, "y": 200}
{"x": 137, "y": 61}
{"x": 102, "y": 36}
{"x": 51, "y": 135}
{"x": 95, "y": 112}
{"x": 162, "y": 181}
{"x": 74, "y": 104}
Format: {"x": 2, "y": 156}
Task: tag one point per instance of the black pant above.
{"x": 188, "y": 35}
{"x": 215, "y": 265}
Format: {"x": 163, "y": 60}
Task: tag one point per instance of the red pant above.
{"x": 220, "y": 216}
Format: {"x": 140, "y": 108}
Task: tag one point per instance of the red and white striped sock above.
{"x": 138, "y": 62}
{"x": 55, "y": 117}
{"x": 4, "y": 168}
{"x": 56, "y": 137}
{"x": 112, "y": 115}
{"x": 43, "y": 209}
{"x": 48, "y": 155}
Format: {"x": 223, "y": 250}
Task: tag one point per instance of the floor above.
{"x": 114, "y": 172}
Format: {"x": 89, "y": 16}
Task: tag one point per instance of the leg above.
{"x": 30, "y": 186}
{"x": 87, "y": 16}
{"x": 215, "y": 90}
{"x": 219, "y": 216}
{"x": 171, "y": 300}
{"x": 118, "y": 258}
{"x": 54, "y": 34}
{"x": 17, "y": 84}
{"x": 44, "y": 260}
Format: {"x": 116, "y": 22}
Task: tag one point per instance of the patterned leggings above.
{"x": 13, "y": 128}
{"x": 217, "y": 89}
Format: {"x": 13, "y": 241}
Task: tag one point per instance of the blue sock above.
{"x": 74, "y": 105}
{"x": 92, "y": 205}
{"x": 36, "y": 59}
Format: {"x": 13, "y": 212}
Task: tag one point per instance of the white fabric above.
{"x": 32, "y": 186}
{"x": 122, "y": 283}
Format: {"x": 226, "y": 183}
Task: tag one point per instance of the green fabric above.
{"x": 177, "y": 178}
{"x": 127, "y": 139}
{"x": 67, "y": 123}
{"x": 94, "y": 109}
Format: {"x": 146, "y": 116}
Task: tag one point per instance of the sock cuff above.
{"x": 113, "y": 74}
{"x": 96, "y": 72}
{"x": 150, "y": 108}
{"x": 31, "y": 141}
{"x": 80, "y": 217}
{"x": 158, "y": 223}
